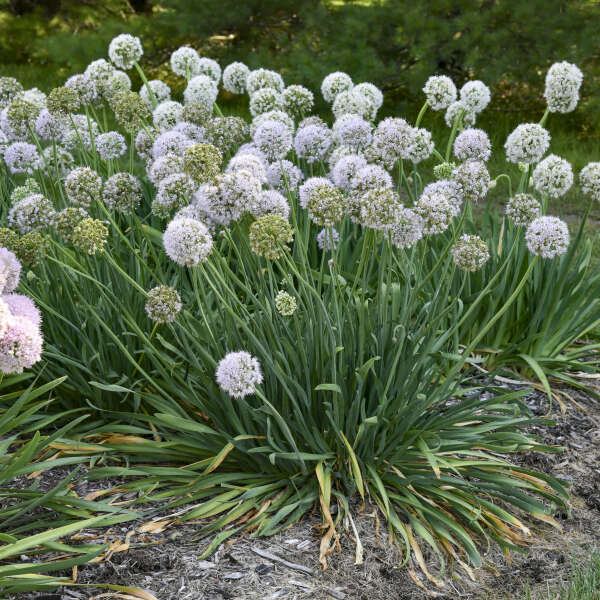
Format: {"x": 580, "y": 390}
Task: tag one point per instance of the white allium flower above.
{"x": 20, "y": 346}
{"x": 161, "y": 91}
{"x": 472, "y": 144}
{"x": 346, "y": 169}
{"x": 475, "y": 95}
{"x": 10, "y": 89}
{"x": 563, "y": 81}
{"x": 521, "y": 209}
{"x": 338, "y": 153}
{"x": 589, "y": 177}
{"x": 21, "y": 157}
{"x": 527, "y": 143}
{"x": 163, "y": 166}
{"x": 187, "y": 242}
{"x": 82, "y": 186}
{"x": 125, "y": 50}
{"x": 391, "y": 138}
{"x": 473, "y": 178}
{"x": 453, "y": 112}
{"x": 35, "y": 97}
{"x": 272, "y": 115}
{"x": 111, "y": 145}
{"x": 10, "y": 271}
{"x": 407, "y": 230}
{"x": 163, "y": 304}
{"x": 167, "y": 114}
{"x": 261, "y": 78}
{"x": 285, "y": 304}
{"x": 210, "y": 67}
{"x": 419, "y": 145}
{"x": 80, "y": 133}
{"x": 334, "y": 84}
{"x": 553, "y": 176}
{"x": 86, "y": 89}
{"x": 249, "y": 162}
{"x": 312, "y": 143}
{"x": 238, "y": 374}
{"x": 201, "y": 89}
{"x": 380, "y": 208}
{"x": 284, "y": 176}
{"x": 32, "y": 213}
{"x": 234, "y": 77}
{"x": 450, "y": 189}
{"x": 352, "y": 131}
{"x": 265, "y": 100}
{"x": 547, "y": 237}
{"x": 371, "y": 92}
{"x": 440, "y": 92}
{"x": 50, "y": 127}
{"x": 5, "y": 315}
{"x": 99, "y": 71}
{"x": 231, "y": 195}
{"x": 271, "y": 202}
{"x": 184, "y": 62}
{"x": 371, "y": 177}
{"x": 174, "y": 192}
{"x": 435, "y": 210}
{"x": 311, "y": 184}
{"x": 170, "y": 142}
{"x": 470, "y": 253}
{"x": 143, "y": 142}
{"x": 122, "y": 192}
{"x": 325, "y": 241}
{"x": 21, "y": 306}
{"x": 351, "y": 102}
{"x": 297, "y": 100}
{"x": 194, "y": 132}
{"x": 325, "y": 205}
{"x": 273, "y": 139}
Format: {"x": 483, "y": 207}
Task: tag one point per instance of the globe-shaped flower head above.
{"x": 234, "y": 77}
{"x": 125, "y": 50}
{"x": 334, "y": 84}
{"x": 163, "y": 304}
{"x": 547, "y": 237}
{"x": 521, "y": 209}
{"x": 187, "y": 242}
{"x": 553, "y": 176}
{"x": 269, "y": 236}
{"x": 563, "y": 81}
{"x": 440, "y": 92}
{"x": 527, "y": 143}
{"x": 238, "y": 373}
{"x": 470, "y": 252}
{"x": 589, "y": 178}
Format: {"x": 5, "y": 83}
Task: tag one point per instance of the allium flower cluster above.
{"x": 418, "y": 146}
{"x": 325, "y": 205}
{"x": 473, "y": 178}
{"x": 328, "y": 239}
{"x": 553, "y": 176}
{"x": 226, "y": 133}
{"x": 353, "y": 102}
{"x": 170, "y": 142}
{"x": 435, "y": 210}
{"x": 390, "y": 140}
{"x": 346, "y": 169}
{"x": 201, "y": 89}
{"x": 371, "y": 177}
{"x": 20, "y": 306}
{"x": 334, "y": 84}
{"x": 521, "y": 209}
{"x": 563, "y": 81}
{"x": 90, "y": 235}
{"x": 122, "y": 192}
{"x": 298, "y": 101}
{"x": 111, "y": 145}
{"x": 248, "y": 162}
{"x": 10, "y": 88}
{"x": 65, "y": 221}
{"x": 527, "y": 143}
{"x": 270, "y": 202}
{"x": 21, "y": 157}
{"x": 160, "y": 90}
{"x": 269, "y": 236}
{"x": 263, "y": 78}
{"x": 163, "y": 304}
{"x": 276, "y": 115}
{"x": 284, "y": 176}
{"x": 202, "y": 162}
{"x": 83, "y": 186}
{"x": 265, "y": 100}
{"x": 472, "y": 144}
{"x": 407, "y": 230}
{"x": 49, "y": 127}
{"x": 20, "y": 346}
{"x": 273, "y": 139}
{"x": 125, "y": 50}
{"x": 353, "y": 132}
{"x": 380, "y": 208}
{"x": 440, "y": 92}
{"x": 85, "y": 88}
{"x": 185, "y": 62}
{"x": 32, "y": 213}
{"x": 210, "y": 67}
{"x": 475, "y": 95}
{"x": 307, "y": 188}
{"x": 547, "y": 237}
{"x": 131, "y": 112}
{"x": 238, "y": 373}
{"x": 234, "y": 77}
{"x": 312, "y": 143}
{"x": 470, "y": 252}
{"x": 459, "y": 109}
{"x": 167, "y": 114}
{"x": 187, "y": 242}
{"x": 285, "y": 304}
{"x": 589, "y": 177}
{"x": 62, "y": 101}
{"x": 10, "y": 271}
{"x": 31, "y": 186}
{"x": 174, "y": 192}
{"x": 372, "y": 94}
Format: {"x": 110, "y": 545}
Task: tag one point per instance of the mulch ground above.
{"x": 166, "y": 562}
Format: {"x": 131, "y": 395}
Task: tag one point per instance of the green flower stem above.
{"x": 146, "y": 84}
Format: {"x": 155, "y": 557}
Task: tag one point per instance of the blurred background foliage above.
{"x": 395, "y": 44}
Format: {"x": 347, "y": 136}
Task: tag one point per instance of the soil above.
{"x": 166, "y": 563}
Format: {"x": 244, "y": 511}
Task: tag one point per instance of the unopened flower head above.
{"x": 285, "y": 304}
{"x": 21, "y": 157}
{"x": 284, "y": 176}
{"x": 327, "y": 239}
{"x": 380, "y": 208}
{"x": 589, "y": 177}
{"x": 460, "y": 110}
{"x": 20, "y": 346}
{"x": 444, "y": 170}
{"x": 298, "y": 101}
{"x": 553, "y": 176}
{"x": 163, "y": 304}
{"x": 32, "y": 213}
{"x": 238, "y": 373}
{"x": 440, "y": 92}
{"x": 407, "y": 230}
{"x": 473, "y": 178}
{"x": 122, "y": 192}
{"x": 475, "y": 95}
{"x": 202, "y": 162}
{"x": 185, "y": 61}
{"x": 65, "y": 221}
{"x": 334, "y": 84}
{"x": 174, "y": 192}
{"x": 234, "y": 77}
{"x": 131, "y": 112}
{"x": 10, "y": 270}
{"x": 547, "y": 237}
{"x": 22, "y": 306}
{"x": 521, "y": 209}
{"x": 353, "y": 131}
{"x": 31, "y": 248}
{"x": 167, "y": 114}
{"x": 201, "y": 89}
{"x": 312, "y": 143}
{"x": 265, "y": 100}
{"x": 470, "y": 252}
{"x": 269, "y": 236}
{"x": 563, "y": 81}
{"x": 273, "y": 139}
{"x": 111, "y": 145}
{"x": 472, "y": 144}
{"x": 90, "y": 235}
{"x": 325, "y": 205}
{"x": 187, "y": 242}
{"x": 83, "y": 186}
{"x": 62, "y": 101}
{"x": 527, "y": 143}
{"x": 261, "y": 78}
